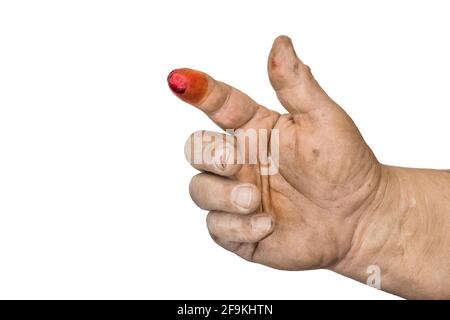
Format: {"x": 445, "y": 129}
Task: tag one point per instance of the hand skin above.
{"x": 332, "y": 204}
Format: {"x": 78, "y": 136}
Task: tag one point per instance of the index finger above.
{"x": 228, "y": 107}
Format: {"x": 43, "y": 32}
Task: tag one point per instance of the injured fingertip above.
{"x": 188, "y": 84}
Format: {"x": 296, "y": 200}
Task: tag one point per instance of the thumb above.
{"x": 292, "y": 80}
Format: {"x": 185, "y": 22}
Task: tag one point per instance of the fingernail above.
{"x": 261, "y": 223}
{"x": 242, "y": 196}
{"x": 189, "y": 85}
{"x": 221, "y": 158}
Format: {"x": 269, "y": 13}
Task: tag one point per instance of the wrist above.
{"x": 400, "y": 232}
{"x": 372, "y": 232}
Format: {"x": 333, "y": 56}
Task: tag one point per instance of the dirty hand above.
{"x": 318, "y": 208}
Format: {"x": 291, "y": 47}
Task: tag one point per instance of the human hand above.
{"x": 331, "y": 204}
{"x": 305, "y": 215}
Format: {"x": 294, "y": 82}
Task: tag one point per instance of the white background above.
{"x": 93, "y": 181}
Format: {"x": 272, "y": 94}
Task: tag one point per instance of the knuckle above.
{"x": 211, "y": 222}
{"x": 307, "y": 72}
{"x": 194, "y": 186}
